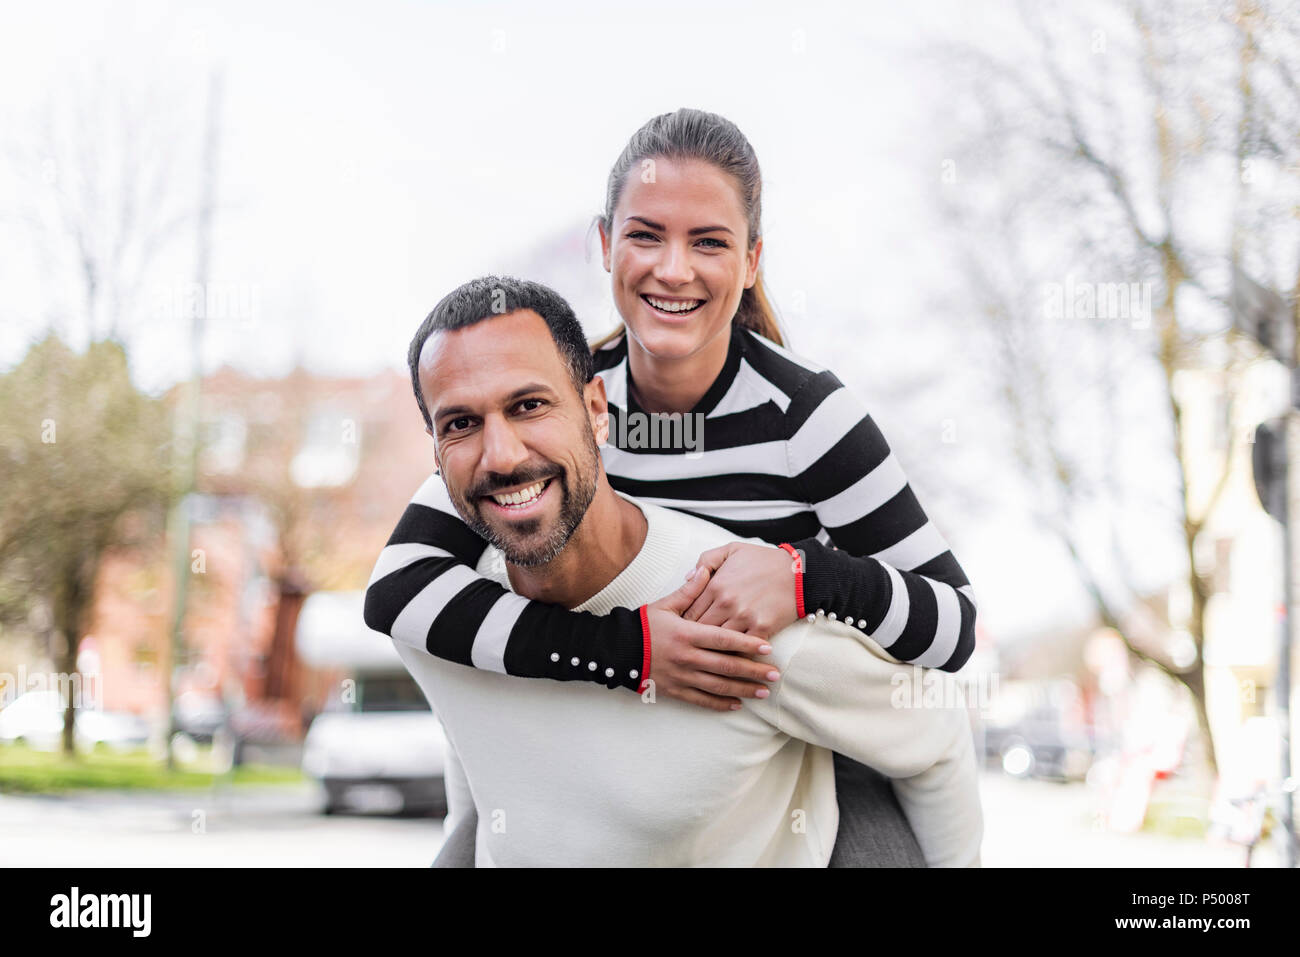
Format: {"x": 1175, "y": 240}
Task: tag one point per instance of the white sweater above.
{"x": 573, "y": 774}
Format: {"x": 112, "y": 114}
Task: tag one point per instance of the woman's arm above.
{"x": 886, "y": 567}
{"x": 892, "y": 576}
{"x": 425, "y": 593}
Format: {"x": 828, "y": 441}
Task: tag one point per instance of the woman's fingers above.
{"x": 732, "y": 667}
{"x": 712, "y": 702}
{"x": 718, "y": 613}
{"x": 714, "y": 557}
{"x": 687, "y": 593}
{"x": 699, "y": 606}
{"x": 713, "y": 638}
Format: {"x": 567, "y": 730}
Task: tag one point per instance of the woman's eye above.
{"x": 719, "y": 244}
{"x": 641, "y": 234}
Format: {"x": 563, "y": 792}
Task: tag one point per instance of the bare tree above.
{"x": 100, "y": 201}
{"x": 100, "y": 197}
{"x": 1129, "y": 146}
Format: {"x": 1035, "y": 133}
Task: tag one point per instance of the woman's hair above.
{"x": 695, "y": 134}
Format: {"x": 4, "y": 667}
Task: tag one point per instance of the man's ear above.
{"x": 593, "y": 397}
{"x": 751, "y": 264}
{"x": 604, "y": 245}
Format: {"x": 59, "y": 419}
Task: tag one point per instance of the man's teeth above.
{"x": 670, "y": 306}
{"x": 522, "y": 497}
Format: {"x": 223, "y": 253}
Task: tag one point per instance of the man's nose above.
{"x": 503, "y": 452}
{"x": 674, "y": 265}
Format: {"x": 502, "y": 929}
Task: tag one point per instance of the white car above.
{"x": 377, "y": 746}
{"x": 36, "y": 718}
{"x": 389, "y": 761}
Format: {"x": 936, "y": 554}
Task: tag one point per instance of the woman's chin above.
{"x": 671, "y": 341}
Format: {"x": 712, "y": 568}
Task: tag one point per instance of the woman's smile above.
{"x": 671, "y": 308}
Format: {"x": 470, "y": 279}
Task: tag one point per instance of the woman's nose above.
{"x": 674, "y": 265}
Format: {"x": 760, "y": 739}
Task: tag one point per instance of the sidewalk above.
{"x": 1043, "y": 824}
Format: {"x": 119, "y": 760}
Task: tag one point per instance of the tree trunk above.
{"x": 72, "y": 599}
{"x": 1194, "y": 682}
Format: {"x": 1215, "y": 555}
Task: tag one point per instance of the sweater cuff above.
{"x": 835, "y": 581}
{"x": 645, "y": 650}
{"x": 818, "y": 575}
{"x": 797, "y": 567}
{"x": 629, "y": 655}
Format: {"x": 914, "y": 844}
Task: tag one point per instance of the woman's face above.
{"x": 678, "y": 257}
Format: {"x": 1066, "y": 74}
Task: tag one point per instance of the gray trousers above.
{"x": 873, "y": 829}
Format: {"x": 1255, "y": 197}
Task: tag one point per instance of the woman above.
{"x": 790, "y": 457}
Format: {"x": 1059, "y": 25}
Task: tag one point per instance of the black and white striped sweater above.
{"x": 788, "y": 455}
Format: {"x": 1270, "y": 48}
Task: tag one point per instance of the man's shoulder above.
{"x": 690, "y": 527}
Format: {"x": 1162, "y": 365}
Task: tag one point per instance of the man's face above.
{"x": 514, "y": 441}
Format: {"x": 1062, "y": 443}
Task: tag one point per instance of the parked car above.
{"x": 36, "y": 719}
{"x": 378, "y": 746}
{"x": 198, "y": 715}
{"x": 1037, "y": 730}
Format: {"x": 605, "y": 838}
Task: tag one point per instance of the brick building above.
{"x": 301, "y": 481}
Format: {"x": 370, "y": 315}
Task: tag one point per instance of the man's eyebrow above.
{"x": 690, "y": 232}
{"x": 519, "y": 393}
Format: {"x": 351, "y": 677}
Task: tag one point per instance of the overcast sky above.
{"x": 375, "y": 155}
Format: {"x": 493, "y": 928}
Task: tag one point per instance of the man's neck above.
{"x": 608, "y": 538}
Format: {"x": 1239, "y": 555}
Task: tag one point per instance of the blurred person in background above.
{"x": 789, "y": 456}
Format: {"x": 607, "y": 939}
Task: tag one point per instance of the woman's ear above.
{"x": 604, "y": 245}
{"x": 593, "y": 396}
{"x": 751, "y": 263}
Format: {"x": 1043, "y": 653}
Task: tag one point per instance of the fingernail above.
{"x": 690, "y": 575}
{"x": 774, "y": 676}
{"x": 764, "y": 649}
{"x": 761, "y": 693}
{"x": 735, "y": 707}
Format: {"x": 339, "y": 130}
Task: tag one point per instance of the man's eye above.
{"x": 530, "y": 405}
{"x": 458, "y": 425}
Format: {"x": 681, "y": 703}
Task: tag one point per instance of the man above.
{"x": 570, "y": 774}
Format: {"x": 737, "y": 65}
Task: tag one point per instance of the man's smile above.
{"x": 520, "y": 501}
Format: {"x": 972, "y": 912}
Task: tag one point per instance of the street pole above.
{"x": 1282, "y": 496}
{"x": 187, "y": 422}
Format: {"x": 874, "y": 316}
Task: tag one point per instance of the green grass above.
{"x": 25, "y": 770}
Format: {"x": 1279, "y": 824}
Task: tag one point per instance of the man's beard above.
{"x": 517, "y": 541}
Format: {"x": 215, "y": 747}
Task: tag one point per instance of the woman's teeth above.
{"x": 669, "y": 305}
{"x": 523, "y": 497}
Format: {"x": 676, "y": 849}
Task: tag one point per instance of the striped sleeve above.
{"x": 424, "y": 592}
{"x": 885, "y": 565}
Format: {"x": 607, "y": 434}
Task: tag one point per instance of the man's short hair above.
{"x": 492, "y": 296}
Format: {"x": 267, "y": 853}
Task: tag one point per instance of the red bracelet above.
{"x": 798, "y": 578}
{"x": 645, "y": 650}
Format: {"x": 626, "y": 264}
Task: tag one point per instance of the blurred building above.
{"x": 1240, "y": 555}
{"x": 302, "y": 479}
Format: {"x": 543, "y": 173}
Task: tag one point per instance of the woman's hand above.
{"x": 702, "y": 664}
{"x": 751, "y": 589}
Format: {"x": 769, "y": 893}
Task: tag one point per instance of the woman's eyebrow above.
{"x": 690, "y": 232}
